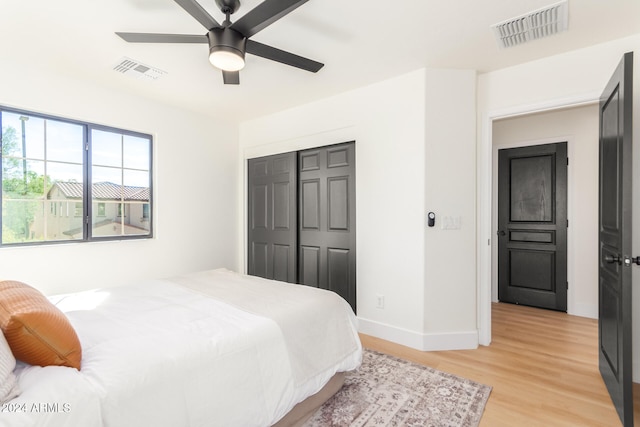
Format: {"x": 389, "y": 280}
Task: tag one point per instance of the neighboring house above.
{"x": 116, "y": 210}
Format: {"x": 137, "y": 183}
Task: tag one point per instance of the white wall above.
{"x": 387, "y": 121}
{"x": 450, "y": 256}
{"x": 569, "y": 79}
{"x": 579, "y": 128}
{"x": 195, "y": 215}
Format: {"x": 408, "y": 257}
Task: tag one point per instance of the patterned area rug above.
{"x": 387, "y": 391}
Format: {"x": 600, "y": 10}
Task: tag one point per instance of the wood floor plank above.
{"x": 542, "y": 365}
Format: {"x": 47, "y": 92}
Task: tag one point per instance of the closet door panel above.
{"x": 338, "y": 199}
{"x": 309, "y": 265}
{"x": 310, "y": 204}
{"x": 272, "y": 210}
{"x": 259, "y": 259}
{"x": 327, "y": 219}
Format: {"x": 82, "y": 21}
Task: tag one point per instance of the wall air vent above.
{"x": 540, "y": 23}
{"x": 138, "y": 70}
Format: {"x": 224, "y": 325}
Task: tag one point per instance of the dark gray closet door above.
{"x": 327, "y": 235}
{"x": 272, "y": 216}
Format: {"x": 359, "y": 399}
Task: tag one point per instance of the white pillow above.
{"x": 8, "y": 383}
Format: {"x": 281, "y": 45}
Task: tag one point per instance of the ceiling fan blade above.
{"x": 194, "y": 9}
{"x": 264, "y": 15}
{"x": 162, "y": 38}
{"x": 283, "y": 57}
{"x": 231, "y": 77}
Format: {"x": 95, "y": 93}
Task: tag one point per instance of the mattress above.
{"x": 207, "y": 349}
{"x": 52, "y": 396}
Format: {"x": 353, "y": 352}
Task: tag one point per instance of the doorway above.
{"x": 578, "y": 126}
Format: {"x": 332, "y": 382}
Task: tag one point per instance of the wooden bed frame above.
{"x": 305, "y": 409}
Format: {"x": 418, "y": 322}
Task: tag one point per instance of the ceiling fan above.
{"x": 228, "y": 42}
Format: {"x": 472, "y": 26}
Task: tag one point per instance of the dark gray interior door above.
{"x": 614, "y": 319}
{"x": 532, "y": 226}
{"x": 327, "y": 235}
{"x": 272, "y": 217}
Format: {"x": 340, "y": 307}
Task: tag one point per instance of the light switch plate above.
{"x": 450, "y": 222}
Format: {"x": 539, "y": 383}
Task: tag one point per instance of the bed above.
{"x": 214, "y": 348}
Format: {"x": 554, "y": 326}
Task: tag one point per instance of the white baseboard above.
{"x": 585, "y": 310}
{"x": 423, "y": 342}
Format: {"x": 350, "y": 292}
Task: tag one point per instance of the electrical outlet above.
{"x": 380, "y": 303}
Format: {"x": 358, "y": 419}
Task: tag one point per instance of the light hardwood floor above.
{"x": 542, "y": 365}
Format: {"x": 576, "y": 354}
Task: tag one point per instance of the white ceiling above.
{"x": 359, "y": 41}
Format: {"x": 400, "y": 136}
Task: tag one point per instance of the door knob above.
{"x": 502, "y": 233}
{"x": 613, "y": 259}
{"x": 629, "y": 260}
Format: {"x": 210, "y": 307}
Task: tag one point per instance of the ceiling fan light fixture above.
{"x": 226, "y": 49}
{"x": 230, "y": 41}
{"x": 227, "y": 60}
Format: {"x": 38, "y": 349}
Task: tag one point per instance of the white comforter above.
{"x": 210, "y": 349}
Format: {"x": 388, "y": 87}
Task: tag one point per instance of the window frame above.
{"x": 87, "y": 201}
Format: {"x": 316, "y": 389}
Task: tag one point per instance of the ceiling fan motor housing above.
{"x": 226, "y": 39}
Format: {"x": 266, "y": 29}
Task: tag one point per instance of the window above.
{"x": 64, "y": 180}
{"x": 145, "y": 212}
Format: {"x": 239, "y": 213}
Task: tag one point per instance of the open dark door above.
{"x": 614, "y": 320}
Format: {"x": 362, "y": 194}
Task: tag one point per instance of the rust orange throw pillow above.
{"x": 36, "y": 330}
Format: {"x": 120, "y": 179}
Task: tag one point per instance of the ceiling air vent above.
{"x": 138, "y": 70}
{"x": 540, "y": 23}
